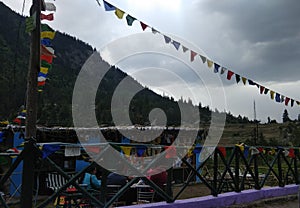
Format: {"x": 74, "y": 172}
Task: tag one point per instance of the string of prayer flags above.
{"x": 210, "y": 63}
{"x": 119, "y": 13}
{"x": 48, "y": 17}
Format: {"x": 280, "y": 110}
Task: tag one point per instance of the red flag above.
{"x": 48, "y": 17}
{"x": 229, "y": 74}
{"x": 42, "y": 83}
{"x": 170, "y": 152}
{"x": 287, "y": 100}
{"x": 291, "y": 153}
{"x": 144, "y": 26}
{"x": 49, "y": 59}
{"x": 262, "y": 88}
{"x": 222, "y": 150}
{"x": 193, "y": 54}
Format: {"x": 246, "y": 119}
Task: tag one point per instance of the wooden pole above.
{"x": 31, "y": 108}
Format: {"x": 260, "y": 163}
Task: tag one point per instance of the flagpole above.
{"x": 31, "y": 108}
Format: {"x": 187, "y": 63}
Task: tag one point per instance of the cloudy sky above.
{"x": 257, "y": 39}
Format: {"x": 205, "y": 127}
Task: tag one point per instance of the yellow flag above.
{"x": 47, "y": 34}
{"x": 119, "y": 13}
{"x": 126, "y": 150}
{"x": 44, "y": 70}
{"x": 209, "y": 63}
{"x": 272, "y": 94}
{"x": 244, "y": 79}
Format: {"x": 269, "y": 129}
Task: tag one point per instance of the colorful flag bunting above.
{"x": 143, "y": 25}
{"x": 50, "y": 7}
{"x": 140, "y": 150}
{"x": 237, "y": 78}
{"x": 119, "y": 13}
{"x": 229, "y": 74}
{"x": 167, "y": 39}
{"x": 203, "y": 58}
{"x": 130, "y": 20}
{"x": 216, "y": 69}
{"x": 184, "y": 49}
{"x": 48, "y": 17}
{"x": 48, "y": 34}
{"x": 193, "y": 54}
{"x": 126, "y": 150}
{"x": 108, "y": 6}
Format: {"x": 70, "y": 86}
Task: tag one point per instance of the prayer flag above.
{"x": 48, "y": 17}
{"x": 167, "y": 39}
{"x": 282, "y": 98}
{"x": 223, "y": 70}
{"x": 41, "y": 79}
{"x": 30, "y": 23}
{"x": 126, "y": 150}
{"x": 49, "y": 59}
{"x": 50, "y": 7}
{"x": 193, "y": 54}
{"x": 44, "y": 70}
{"x": 237, "y": 78}
{"x": 222, "y": 150}
{"x": 272, "y": 94}
{"x": 277, "y": 97}
{"x": 41, "y": 74}
{"x": 46, "y": 64}
{"x": 108, "y": 6}
{"x": 119, "y": 13}
{"x": 130, "y": 20}
{"x": 229, "y": 74}
{"x": 298, "y": 102}
{"x": 46, "y": 42}
{"x": 244, "y": 79}
{"x": 140, "y": 150}
{"x": 176, "y": 44}
{"x": 209, "y": 63}
{"x": 292, "y": 102}
{"x": 262, "y": 88}
{"x": 266, "y": 91}
{"x": 170, "y": 152}
{"x": 45, "y": 27}
{"x": 49, "y": 149}
{"x": 143, "y": 25}
{"x": 184, "y": 49}
{"x": 47, "y": 34}
{"x": 217, "y": 66}
{"x": 203, "y": 58}
{"x": 154, "y": 31}
{"x": 250, "y": 82}
{"x": 287, "y": 100}
{"x": 41, "y": 83}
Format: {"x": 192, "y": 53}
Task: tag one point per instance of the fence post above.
{"x": 256, "y": 173}
{"x": 281, "y": 184}
{"x": 215, "y": 182}
{"x": 237, "y": 169}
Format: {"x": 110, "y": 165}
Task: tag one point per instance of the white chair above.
{"x": 145, "y": 194}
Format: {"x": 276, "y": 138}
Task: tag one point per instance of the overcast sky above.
{"x": 258, "y": 39}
